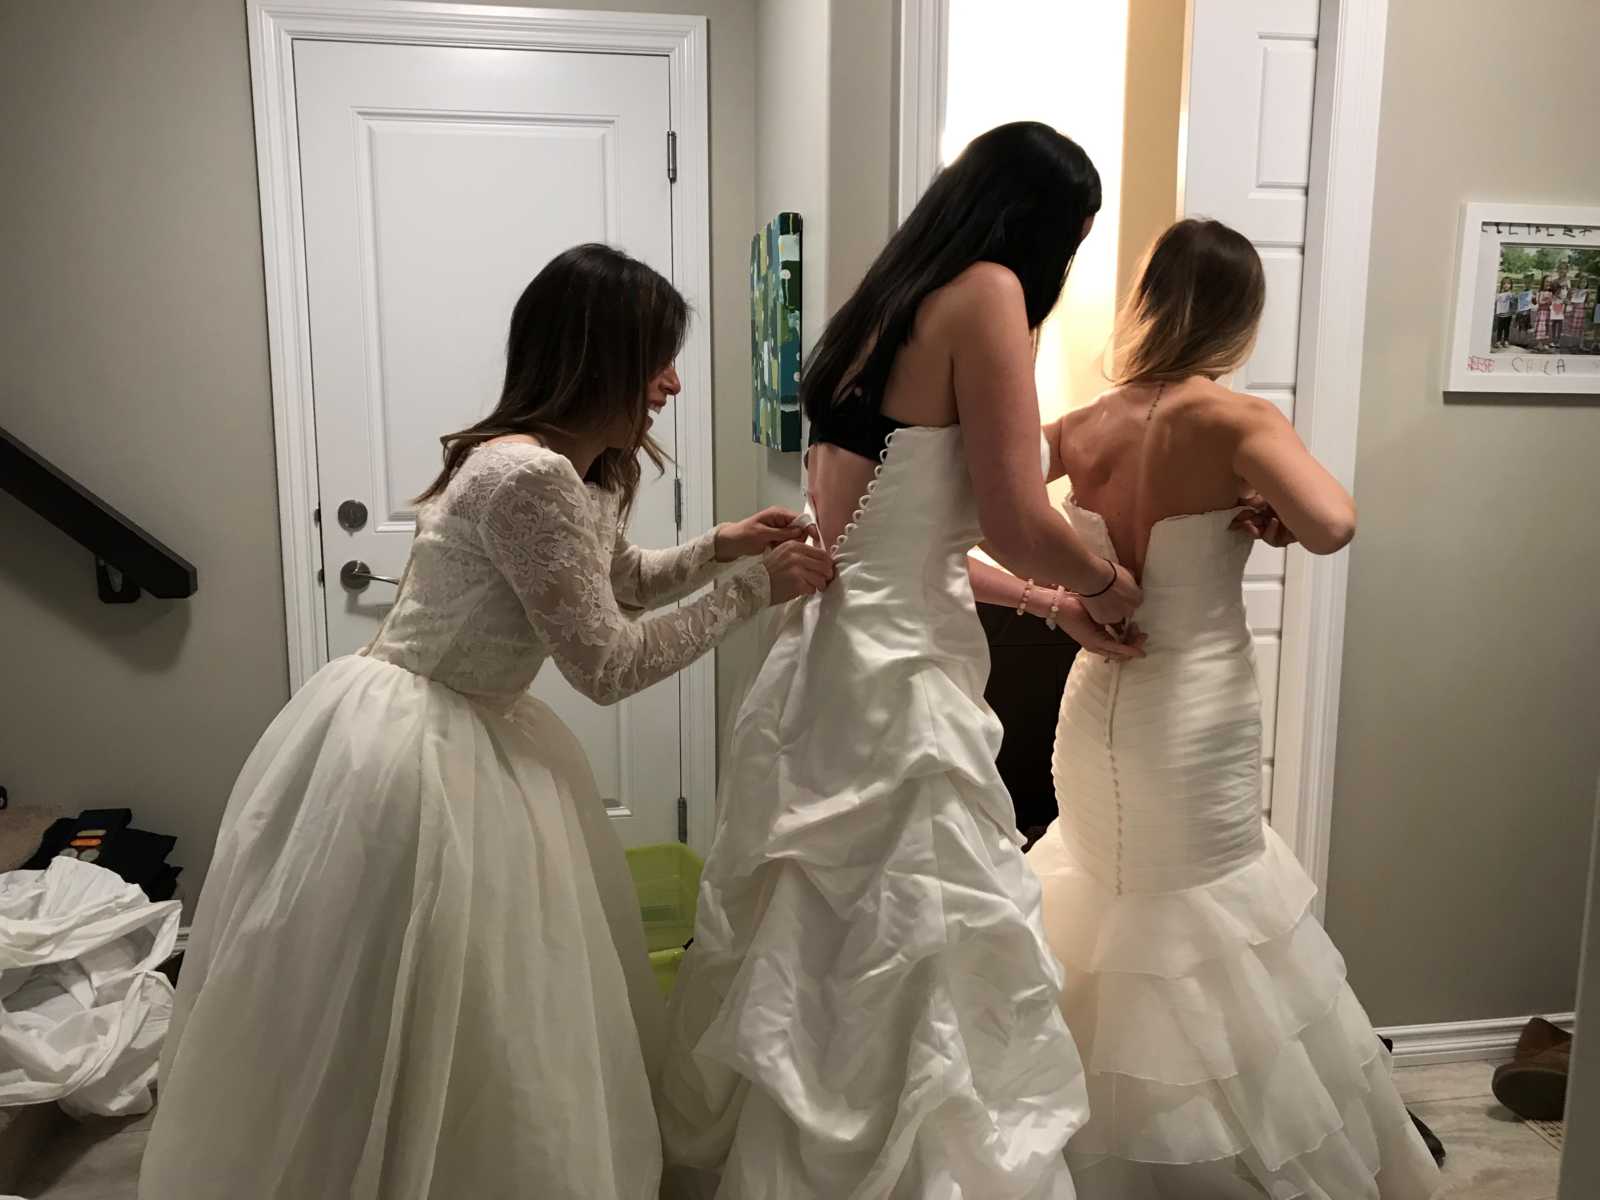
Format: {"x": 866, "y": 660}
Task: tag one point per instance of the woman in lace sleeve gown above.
{"x": 417, "y": 967}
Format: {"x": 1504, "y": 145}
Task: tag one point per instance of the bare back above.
{"x": 969, "y": 362}
{"x": 1144, "y": 452}
{"x": 920, "y": 391}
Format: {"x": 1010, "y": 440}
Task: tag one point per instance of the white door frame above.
{"x": 273, "y": 26}
{"x": 924, "y": 53}
{"x": 1333, "y": 322}
{"x": 1349, "y": 90}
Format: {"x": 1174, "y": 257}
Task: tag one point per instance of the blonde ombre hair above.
{"x": 1195, "y": 308}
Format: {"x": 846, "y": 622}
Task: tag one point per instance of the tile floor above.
{"x": 96, "y": 1160}
{"x": 1491, "y": 1155}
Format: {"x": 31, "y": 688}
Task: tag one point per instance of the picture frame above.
{"x": 775, "y": 290}
{"x": 1527, "y": 301}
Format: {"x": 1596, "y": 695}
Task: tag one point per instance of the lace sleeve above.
{"x": 540, "y": 533}
{"x": 652, "y": 578}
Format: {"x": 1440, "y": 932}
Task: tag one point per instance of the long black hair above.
{"x": 1018, "y": 196}
{"x": 587, "y": 337}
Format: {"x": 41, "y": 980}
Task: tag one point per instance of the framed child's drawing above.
{"x": 1527, "y": 316}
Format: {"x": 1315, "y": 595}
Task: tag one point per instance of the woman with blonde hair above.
{"x": 1226, "y": 1055}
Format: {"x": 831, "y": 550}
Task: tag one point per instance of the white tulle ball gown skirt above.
{"x": 417, "y": 969}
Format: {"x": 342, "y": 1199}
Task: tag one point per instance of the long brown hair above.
{"x": 587, "y": 336}
{"x": 1195, "y": 308}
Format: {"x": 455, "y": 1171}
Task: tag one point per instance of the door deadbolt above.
{"x": 352, "y": 516}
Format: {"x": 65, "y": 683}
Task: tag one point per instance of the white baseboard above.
{"x": 1461, "y": 1041}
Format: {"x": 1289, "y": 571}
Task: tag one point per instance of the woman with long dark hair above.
{"x": 418, "y": 968}
{"x": 869, "y": 1005}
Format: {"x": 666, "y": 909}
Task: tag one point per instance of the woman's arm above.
{"x": 992, "y": 362}
{"x": 536, "y": 531}
{"x": 646, "y": 579}
{"x": 1272, "y": 459}
{"x": 991, "y": 585}
{"x": 1052, "y": 438}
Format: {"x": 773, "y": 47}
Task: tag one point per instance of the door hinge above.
{"x": 683, "y": 820}
{"x": 672, "y": 156}
{"x": 316, "y": 515}
{"x": 677, "y": 502}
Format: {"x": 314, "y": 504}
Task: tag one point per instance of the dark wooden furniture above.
{"x": 1027, "y": 674}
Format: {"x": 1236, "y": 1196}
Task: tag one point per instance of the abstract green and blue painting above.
{"x": 775, "y": 333}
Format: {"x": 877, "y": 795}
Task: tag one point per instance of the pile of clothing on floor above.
{"x": 85, "y": 925}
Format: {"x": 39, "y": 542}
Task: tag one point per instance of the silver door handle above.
{"x": 355, "y": 575}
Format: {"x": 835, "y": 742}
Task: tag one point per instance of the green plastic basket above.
{"x": 665, "y": 964}
{"x": 667, "y": 878}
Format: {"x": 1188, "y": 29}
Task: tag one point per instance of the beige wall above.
{"x": 824, "y": 148}
{"x": 134, "y": 339}
{"x": 861, "y": 131}
{"x": 1151, "y": 107}
{"x": 824, "y": 116}
{"x": 133, "y": 333}
{"x": 791, "y": 175}
{"x": 1467, "y": 738}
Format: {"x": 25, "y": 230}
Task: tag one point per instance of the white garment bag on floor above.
{"x": 83, "y": 1009}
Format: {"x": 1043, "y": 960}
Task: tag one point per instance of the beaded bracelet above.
{"x": 1022, "y": 605}
{"x": 1055, "y": 605}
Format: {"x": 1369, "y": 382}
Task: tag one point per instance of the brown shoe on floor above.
{"x": 1534, "y": 1084}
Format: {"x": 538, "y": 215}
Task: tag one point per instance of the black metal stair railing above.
{"x": 127, "y": 559}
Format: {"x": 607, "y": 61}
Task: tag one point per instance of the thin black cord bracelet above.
{"x": 1110, "y": 583}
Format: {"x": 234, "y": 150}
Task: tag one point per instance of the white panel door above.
{"x": 437, "y": 181}
{"x": 1247, "y": 162}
